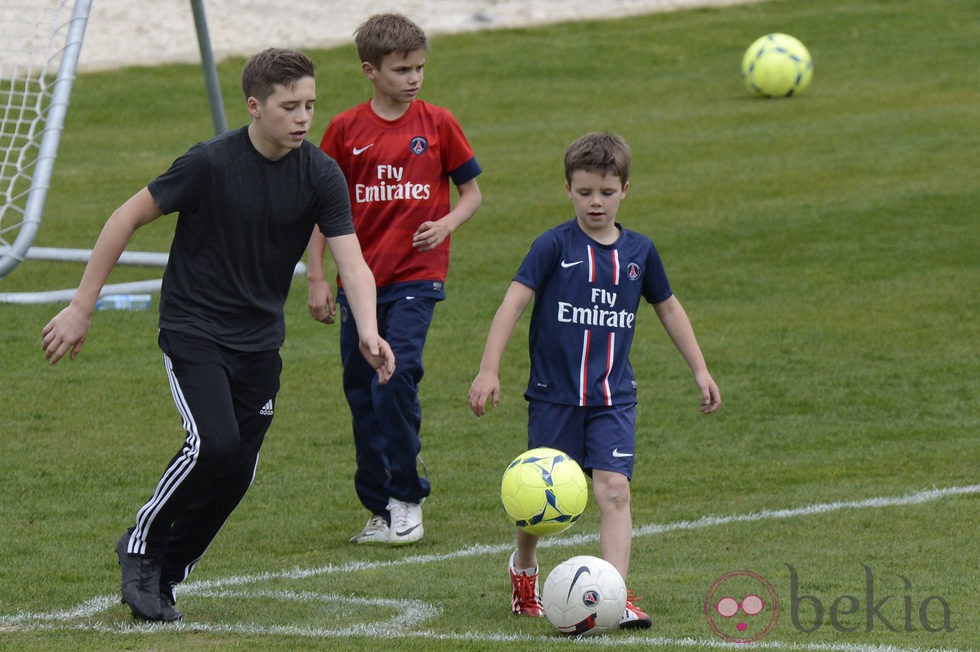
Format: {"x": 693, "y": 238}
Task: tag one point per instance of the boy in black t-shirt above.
{"x": 246, "y": 201}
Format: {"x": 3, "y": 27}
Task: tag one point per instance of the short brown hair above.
{"x": 274, "y": 66}
{"x": 598, "y": 152}
{"x": 382, "y": 34}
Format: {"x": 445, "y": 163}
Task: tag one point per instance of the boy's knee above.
{"x": 612, "y": 489}
{"x": 218, "y": 450}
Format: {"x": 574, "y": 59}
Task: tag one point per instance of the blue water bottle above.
{"x": 124, "y": 302}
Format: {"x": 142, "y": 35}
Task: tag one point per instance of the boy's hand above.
{"x": 65, "y": 333}
{"x": 380, "y": 356}
{"x": 429, "y": 235}
{"x": 485, "y": 386}
{"x": 710, "y": 394}
{"x": 320, "y": 300}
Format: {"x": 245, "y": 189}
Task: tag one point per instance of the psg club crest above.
{"x": 418, "y": 145}
{"x": 633, "y": 271}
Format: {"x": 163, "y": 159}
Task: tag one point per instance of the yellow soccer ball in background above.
{"x": 777, "y": 65}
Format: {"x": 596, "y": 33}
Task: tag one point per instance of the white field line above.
{"x": 412, "y": 613}
{"x": 549, "y": 642}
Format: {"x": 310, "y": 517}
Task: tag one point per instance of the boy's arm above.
{"x": 361, "y": 294}
{"x": 430, "y": 235}
{"x": 67, "y": 331}
{"x": 486, "y": 385}
{"x": 678, "y": 327}
{"x": 319, "y": 296}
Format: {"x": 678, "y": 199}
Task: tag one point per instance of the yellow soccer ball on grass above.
{"x": 777, "y": 65}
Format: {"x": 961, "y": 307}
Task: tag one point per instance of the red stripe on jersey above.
{"x": 583, "y": 372}
{"x": 591, "y": 263}
{"x": 615, "y": 263}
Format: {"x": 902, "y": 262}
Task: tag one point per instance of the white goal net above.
{"x": 39, "y": 45}
{"x": 40, "y": 41}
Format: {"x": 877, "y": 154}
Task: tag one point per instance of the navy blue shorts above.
{"x": 601, "y": 437}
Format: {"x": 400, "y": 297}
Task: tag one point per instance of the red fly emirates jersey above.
{"x": 398, "y": 173}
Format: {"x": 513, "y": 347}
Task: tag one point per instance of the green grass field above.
{"x": 825, "y": 248}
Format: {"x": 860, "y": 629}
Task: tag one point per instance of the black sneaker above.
{"x": 141, "y": 585}
{"x": 167, "y": 593}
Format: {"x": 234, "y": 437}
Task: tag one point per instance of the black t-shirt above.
{"x": 244, "y": 221}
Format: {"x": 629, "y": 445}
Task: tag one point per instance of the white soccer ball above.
{"x": 584, "y": 596}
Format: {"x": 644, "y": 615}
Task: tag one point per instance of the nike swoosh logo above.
{"x": 571, "y": 264}
{"x": 582, "y": 570}
{"x": 403, "y": 533}
{"x": 616, "y": 453}
{"x": 360, "y": 150}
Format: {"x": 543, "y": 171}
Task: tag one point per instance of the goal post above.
{"x": 36, "y": 36}
{"x": 40, "y": 42}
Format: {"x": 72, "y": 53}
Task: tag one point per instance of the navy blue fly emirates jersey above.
{"x": 586, "y": 298}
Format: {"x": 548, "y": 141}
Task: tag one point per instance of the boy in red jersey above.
{"x": 399, "y": 155}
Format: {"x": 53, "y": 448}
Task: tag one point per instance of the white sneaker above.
{"x": 406, "y": 522}
{"x": 376, "y": 531}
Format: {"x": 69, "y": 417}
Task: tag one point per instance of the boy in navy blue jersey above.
{"x": 587, "y": 277}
